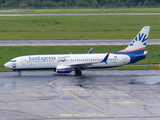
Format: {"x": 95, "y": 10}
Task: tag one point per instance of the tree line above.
{"x": 77, "y": 3}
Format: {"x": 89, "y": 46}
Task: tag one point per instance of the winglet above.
{"x": 90, "y": 51}
{"x": 106, "y": 58}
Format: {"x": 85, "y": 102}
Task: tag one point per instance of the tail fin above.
{"x": 138, "y": 44}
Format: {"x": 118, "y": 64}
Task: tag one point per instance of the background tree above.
{"x": 75, "y": 3}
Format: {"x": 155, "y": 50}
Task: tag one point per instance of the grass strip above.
{"x": 76, "y": 27}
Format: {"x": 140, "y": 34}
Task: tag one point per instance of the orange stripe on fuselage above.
{"x": 63, "y": 68}
{"x": 126, "y": 51}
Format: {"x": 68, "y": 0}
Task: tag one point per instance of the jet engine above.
{"x": 63, "y": 69}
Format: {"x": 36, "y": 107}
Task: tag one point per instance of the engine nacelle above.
{"x": 63, "y": 69}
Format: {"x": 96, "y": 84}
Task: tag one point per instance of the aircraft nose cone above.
{"x": 7, "y": 65}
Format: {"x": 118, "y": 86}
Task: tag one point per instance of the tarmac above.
{"x": 71, "y": 42}
{"x": 96, "y": 95}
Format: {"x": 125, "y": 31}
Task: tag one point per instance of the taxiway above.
{"x": 97, "y": 95}
{"x": 70, "y": 42}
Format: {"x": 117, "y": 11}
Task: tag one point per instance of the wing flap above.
{"x": 78, "y": 65}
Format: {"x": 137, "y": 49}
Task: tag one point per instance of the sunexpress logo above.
{"x": 39, "y": 58}
{"x": 140, "y": 38}
{"x": 62, "y": 58}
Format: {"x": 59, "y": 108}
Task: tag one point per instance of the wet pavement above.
{"x": 97, "y": 95}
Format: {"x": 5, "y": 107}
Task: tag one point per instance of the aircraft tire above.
{"x": 19, "y": 73}
{"x": 78, "y": 73}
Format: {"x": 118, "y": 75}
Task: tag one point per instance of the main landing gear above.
{"x": 78, "y": 72}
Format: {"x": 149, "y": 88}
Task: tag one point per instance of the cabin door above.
{"x": 23, "y": 61}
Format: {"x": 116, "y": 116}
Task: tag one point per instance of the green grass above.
{"x": 108, "y": 10}
{"x": 66, "y": 11}
{"x": 76, "y": 27}
{"x": 7, "y": 53}
{"x": 152, "y": 67}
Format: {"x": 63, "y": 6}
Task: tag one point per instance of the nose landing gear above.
{"x": 19, "y": 73}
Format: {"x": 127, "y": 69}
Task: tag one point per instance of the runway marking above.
{"x": 103, "y": 111}
{"x": 106, "y": 113}
{"x": 47, "y": 87}
{"x": 125, "y": 102}
{"x": 77, "y": 115}
{"x": 87, "y": 115}
{"x": 82, "y": 115}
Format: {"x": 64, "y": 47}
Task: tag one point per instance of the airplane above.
{"x": 66, "y": 63}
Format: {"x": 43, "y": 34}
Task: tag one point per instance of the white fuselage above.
{"x": 36, "y": 62}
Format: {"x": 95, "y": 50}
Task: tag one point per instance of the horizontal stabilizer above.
{"x": 143, "y": 55}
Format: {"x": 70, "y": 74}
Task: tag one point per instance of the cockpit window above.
{"x": 13, "y": 60}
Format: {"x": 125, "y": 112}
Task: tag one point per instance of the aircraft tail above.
{"x": 138, "y": 44}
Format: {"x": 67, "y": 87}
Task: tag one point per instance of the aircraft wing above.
{"x": 81, "y": 65}
{"x": 78, "y": 65}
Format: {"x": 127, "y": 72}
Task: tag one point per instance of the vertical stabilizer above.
{"x": 138, "y": 44}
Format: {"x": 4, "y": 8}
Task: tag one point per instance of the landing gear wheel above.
{"x": 19, "y": 73}
{"x": 78, "y": 73}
